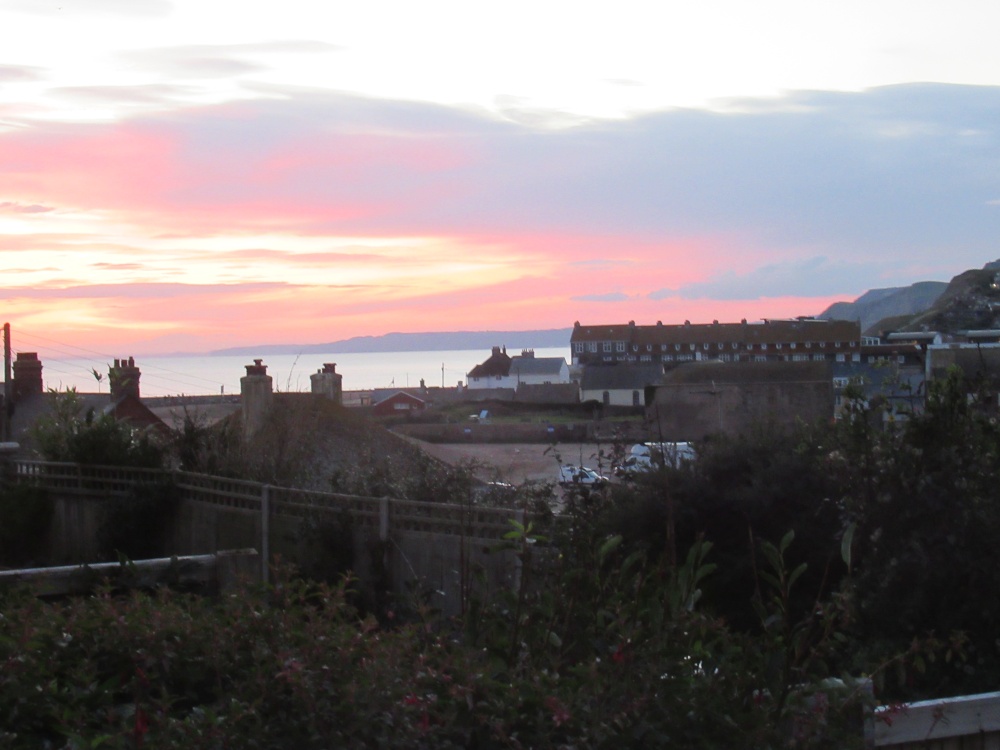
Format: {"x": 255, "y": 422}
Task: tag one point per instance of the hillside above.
{"x": 970, "y": 302}
{"x": 416, "y": 342}
{"x": 877, "y": 304}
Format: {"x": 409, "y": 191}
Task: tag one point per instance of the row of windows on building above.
{"x": 621, "y": 346}
{"x": 725, "y": 357}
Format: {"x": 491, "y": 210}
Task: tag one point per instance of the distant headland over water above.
{"x": 413, "y": 342}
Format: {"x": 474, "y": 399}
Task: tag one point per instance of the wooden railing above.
{"x": 945, "y": 724}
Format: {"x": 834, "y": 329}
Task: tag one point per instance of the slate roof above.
{"x": 536, "y": 365}
{"x": 497, "y": 364}
{"x": 620, "y": 377}
{"x": 798, "y": 330}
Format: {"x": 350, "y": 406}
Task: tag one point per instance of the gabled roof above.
{"x": 497, "y": 364}
{"x": 397, "y": 395}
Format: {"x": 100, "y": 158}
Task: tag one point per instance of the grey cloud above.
{"x": 813, "y": 277}
{"x": 218, "y": 61}
{"x": 23, "y": 208}
{"x": 19, "y": 73}
{"x": 878, "y": 181}
{"x": 152, "y": 93}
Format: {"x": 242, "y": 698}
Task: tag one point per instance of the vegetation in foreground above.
{"x": 703, "y": 607}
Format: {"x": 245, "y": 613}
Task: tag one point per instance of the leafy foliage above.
{"x": 71, "y": 433}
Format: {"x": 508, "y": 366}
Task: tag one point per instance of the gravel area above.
{"x": 516, "y": 462}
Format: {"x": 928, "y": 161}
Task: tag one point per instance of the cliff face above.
{"x": 970, "y": 301}
{"x": 878, "y": 304}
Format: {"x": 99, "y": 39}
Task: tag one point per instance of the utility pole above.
{"x": 7, "y": 389}
{"x": 442, "y": 374}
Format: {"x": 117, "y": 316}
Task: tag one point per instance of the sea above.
{"x": 210, "y": 374}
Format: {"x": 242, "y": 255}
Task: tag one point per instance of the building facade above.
{"x": 796, "y": 340}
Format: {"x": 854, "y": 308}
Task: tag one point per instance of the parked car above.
{"x": 580, "y": 476}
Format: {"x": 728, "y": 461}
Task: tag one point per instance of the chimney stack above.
{"x": 123, "y": 378}
{"x": 256, "y": 396}
{"x": 328, "y": 382}
{"x": 27, "y": 375}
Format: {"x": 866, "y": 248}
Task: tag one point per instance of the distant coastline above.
{"x": 416, "y": 342}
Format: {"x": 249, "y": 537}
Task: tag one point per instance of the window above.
{"x": 607, "y": 346}
{"x": 841, "y": 382}
{"x": 818, "y": 357}
{"x": 645, "y": 358}
{"x": 763, "y": 347}
{"x": 809, "y": 344}
{"x": 649, "y": 347}
{"x": 704, "y": 346}
{"x": 635, "y": 347}
{"x": 759, "y": 358}
{"x": 735, "y": 345}
{"x": 777, "y": 346}
{"x": 591, "y": 346}
{"x": 635, "y": 399}
{"x": 621, "y": 346}
{"x": 578, "y": 347}
{"x": 677, "y": 347}
{"x": 663, "y": 347}
{"x": 792, "y": 345}
{"x": 840, "y": 357}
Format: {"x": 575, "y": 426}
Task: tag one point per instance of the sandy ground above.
{"x": 515, "y": 462}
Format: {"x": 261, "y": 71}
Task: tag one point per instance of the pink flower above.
{"x": 560, "y": 714}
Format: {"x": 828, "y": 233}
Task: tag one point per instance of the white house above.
{"x": 503, "y": 371}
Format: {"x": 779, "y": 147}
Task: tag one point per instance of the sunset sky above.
{"x": 181, "y": 176}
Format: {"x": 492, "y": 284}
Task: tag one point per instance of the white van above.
{"x": 648, "y": 456}
{"x": 580, "y": 476}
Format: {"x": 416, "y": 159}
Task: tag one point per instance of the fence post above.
{"x": 383, "y": 519}
{"x": 265, "y": 533}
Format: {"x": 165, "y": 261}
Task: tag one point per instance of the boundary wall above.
{"x": 434, "y": 547}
